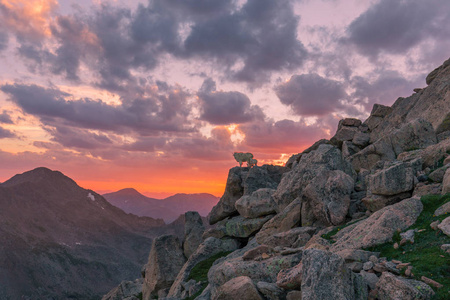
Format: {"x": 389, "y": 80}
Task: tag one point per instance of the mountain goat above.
{"x": 244, "y": 157}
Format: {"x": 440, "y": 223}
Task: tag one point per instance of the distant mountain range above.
{"x": 168, "y": 209}
{"x": 60, "y": 241}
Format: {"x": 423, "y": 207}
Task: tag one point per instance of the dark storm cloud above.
{"x": 146, "y": 115}
{"x": 5, "y": 118}
{"x": 247, "y": 42}
{"x": 5, "y": 133}
{"x": 262, "y": 35}
{"x": 311, "y": 94}
{"x": 221, "y": 108}
{"x": 395, "y": 26}
{"x": 385, "y": 89}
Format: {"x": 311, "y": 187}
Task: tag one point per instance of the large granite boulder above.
{"x": 324, "y": 276}
{"x": 325, "y": 158}
{"x": 416, "y": 134}
{"x": 258, "y": 270}
{"x": 393, "y": 180}
{"x": 241, "y": 227}
{"x": 210, "y": 247}
{"x": 164, "y": 262}
{"x": 266, "y": 176}
{"x": 244, "y": 181}
{"x": 234, "y": 190}
{"x": 259, "y": 203}
{"x": 193, "y": 231}
{"x": 271, "y": 291}
{"x": 241, "y": 287}
{"x": 293, "y": 238}
{"x": 432, "y": 105}
{"x": 380, "y": 227}
{"x": 391, "y": 287}
{"x": 282, "y": 222}
{"x": 326, "y": 199}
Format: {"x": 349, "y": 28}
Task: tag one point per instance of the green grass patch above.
{"x": 425, "y": 254}
{"x": 200, "y": 272}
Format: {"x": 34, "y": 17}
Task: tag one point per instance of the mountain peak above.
{"x": 38, "y": 175}
{"x": 128, "y": 192}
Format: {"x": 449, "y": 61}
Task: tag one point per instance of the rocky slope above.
{"x": 168, "y": 209}
{"x": 359, "y": 216}
{"x": 60, "y": 241}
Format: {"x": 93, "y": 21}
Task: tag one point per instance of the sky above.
{"x": 157, "y": 95}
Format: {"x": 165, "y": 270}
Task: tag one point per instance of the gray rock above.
{"x": 361, "y": 139}
{"x": 316, "y": 145}
{"x": 445, "y": 226}
{"x": 325, "y": 158}
{"x": 368, "y": 265}
{"x": 377, "y": 202}
{"x": 348, "y": 149}
{"x": 259, "y": 203}
{"x": 126, "y": 289}
{"x": 234, "y": 190}
{"x": 256, "y": 253}
{"x": 433, "y": 74}
{"x": 422, "y": 189}
{"x": 206, "y": 294}
{"x": 282, "y": 222}
{"x": 408, "y": 235}
{"x": 290, "y": 279}
{"x": 208, "y": 248}
{"x": 344, "y": 133}
{"x": 325, "y": 276}
{"x": 193, "y": 231}
{"x": 293, "y": 238}
{"x": 270, "y": 291}
{"x": 380, "y": 227}
{"x": 165, "y": 260}
{"x": 446, "y": 182}
{"x": 416, "y": 134}
{"x": 294, "y": 295}
{"x": 396, "y": 179}
{"x": 293, "y": 160}
{"x": 242, "y": 227}
{"x": 350, "y": 255}
{"x": 326, "y": 199}
{"x": 446, "y": 248}
{"x": 244, "y": 181}
{"x": 266, "y": 270}
{"x": 266, "y": 176}
{"x": 241, "y": 287}
{"x": 438, "y": 174}
{"x": 442, "y": 209}
{"x": 370, "y": 278}
{"x": 398, "y": 288}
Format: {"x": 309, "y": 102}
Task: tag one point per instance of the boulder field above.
{"x": 312, "y": 228}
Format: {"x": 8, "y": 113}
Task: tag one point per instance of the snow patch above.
{"x": 90, "y": 196}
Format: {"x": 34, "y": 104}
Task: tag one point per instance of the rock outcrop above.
{"x": 305, "y": 231}
{"x": 193, "y": 231}
{"x": 164, "y": 262}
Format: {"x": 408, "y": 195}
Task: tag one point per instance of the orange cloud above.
{"x": 30, "y": 18}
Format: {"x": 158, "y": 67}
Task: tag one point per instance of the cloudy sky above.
{"x": 158, "y": 94}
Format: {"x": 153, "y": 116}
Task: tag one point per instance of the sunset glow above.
{"x": 157, "y": 95}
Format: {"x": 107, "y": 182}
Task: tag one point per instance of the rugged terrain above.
{"x": 168, "y": 209}
{"x": 364, "y": 215}
{"x": 60, "y": 241}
